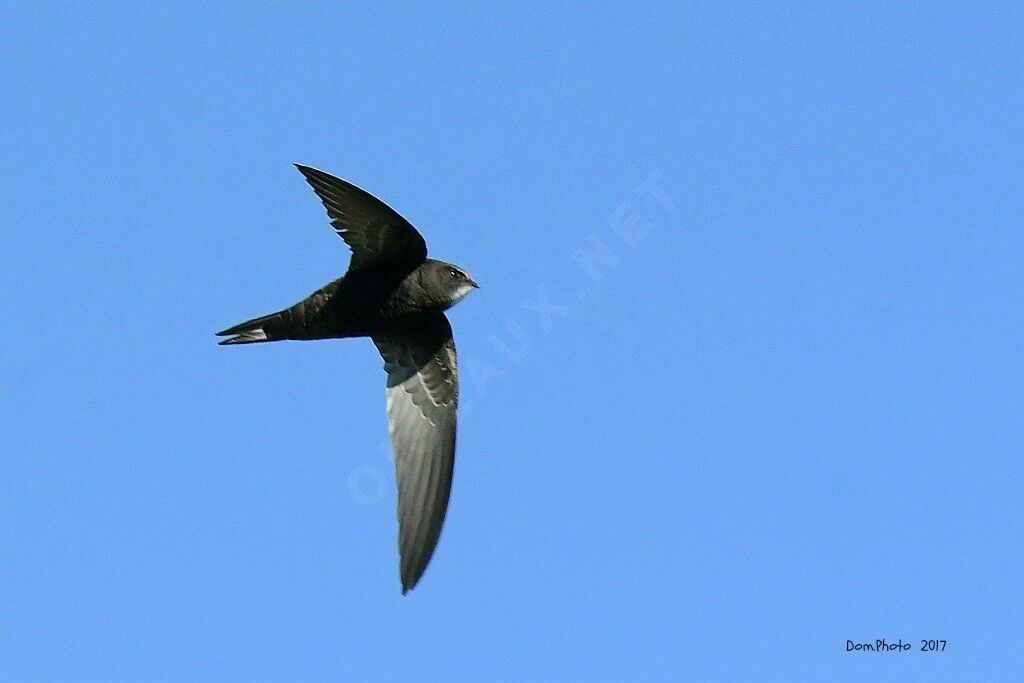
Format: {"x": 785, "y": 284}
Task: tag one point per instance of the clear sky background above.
{"x": 743, "y": 379}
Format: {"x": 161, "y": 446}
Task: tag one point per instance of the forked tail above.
{"x": 267, "y": 328}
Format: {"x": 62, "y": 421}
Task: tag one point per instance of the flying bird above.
{"x": 396, "y": 296}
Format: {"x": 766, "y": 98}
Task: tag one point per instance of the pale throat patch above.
{"x": 461, "y": 293}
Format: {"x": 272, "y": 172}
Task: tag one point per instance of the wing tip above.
{"x": 307, "y": 171}
{"x": 410, "y": 576}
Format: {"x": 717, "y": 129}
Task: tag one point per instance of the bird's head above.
{"x": 446, "y": 284}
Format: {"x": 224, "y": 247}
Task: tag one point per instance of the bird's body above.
{"x": 395, "y": 295}
{"x": 358, "y": 304}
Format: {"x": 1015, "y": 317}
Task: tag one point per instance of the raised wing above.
{"x": 377, "y": 235}
{"x": 423, "y": 395}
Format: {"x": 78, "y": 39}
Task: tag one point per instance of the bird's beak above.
{"x": 474, "y": 284}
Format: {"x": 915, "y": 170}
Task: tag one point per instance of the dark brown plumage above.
{"x": 395, "y": 295}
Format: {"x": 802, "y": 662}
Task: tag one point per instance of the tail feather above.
{"x": 248, "y": 337}
{"x": 266, "y": 328}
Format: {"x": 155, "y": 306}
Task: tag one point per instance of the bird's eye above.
{"x": 453, "y": 273}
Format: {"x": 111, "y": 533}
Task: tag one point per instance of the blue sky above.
{"x": 743, "y": 380}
